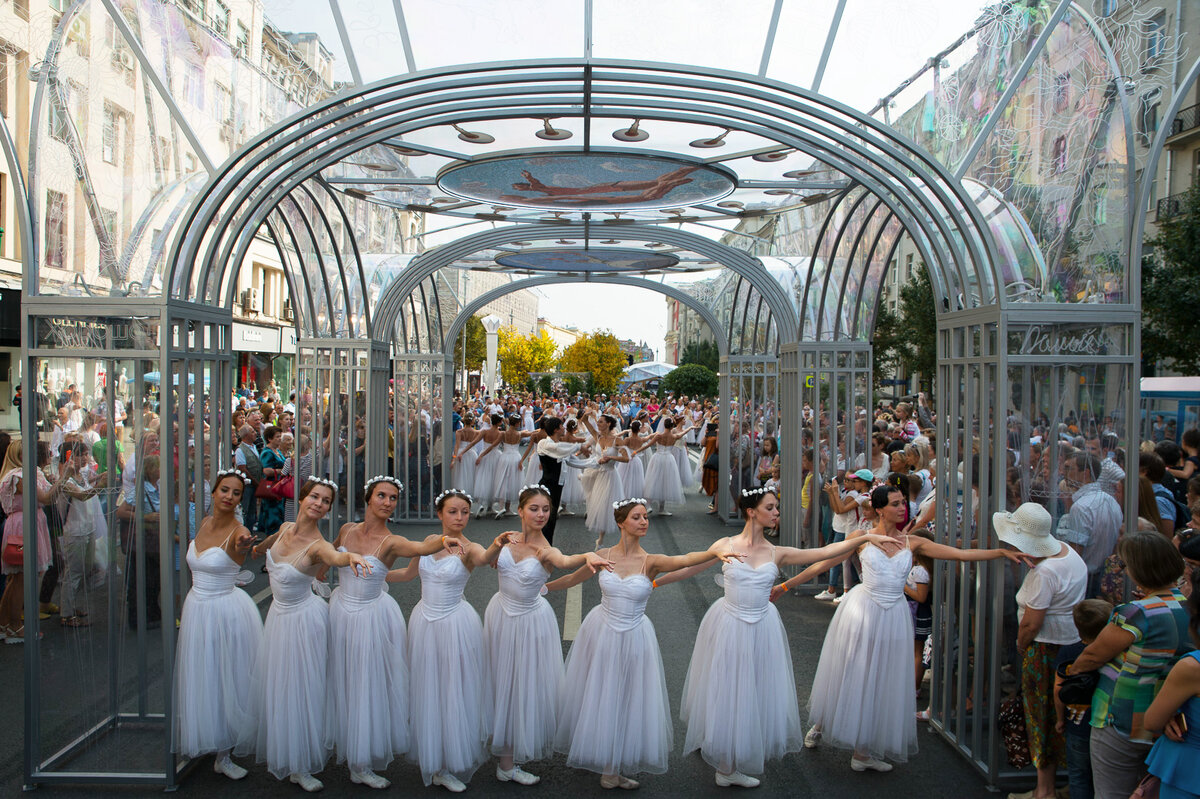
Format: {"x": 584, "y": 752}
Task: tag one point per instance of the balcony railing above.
{"x": 1171, "y": 206}
{"x": 1187, "y": 119}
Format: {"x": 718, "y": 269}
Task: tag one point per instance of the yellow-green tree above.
{"x": 519, "y": 355}
{"x": 598, "y": 353}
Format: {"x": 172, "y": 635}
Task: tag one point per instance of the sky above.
{"x": 879, "y": 44}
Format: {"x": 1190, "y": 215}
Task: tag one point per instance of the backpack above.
{"x": 1182, "y": 514}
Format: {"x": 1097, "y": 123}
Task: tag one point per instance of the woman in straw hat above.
{"x": 1048, "y": 595}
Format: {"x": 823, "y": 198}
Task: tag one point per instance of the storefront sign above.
{"x": 1053, "y": 340}
{"x": 97, "y": 333}
{"x": 250, "y": 338}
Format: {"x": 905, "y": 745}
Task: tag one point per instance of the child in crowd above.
{"x": 1091, "y": 615}
{"x": 917, "y": 592}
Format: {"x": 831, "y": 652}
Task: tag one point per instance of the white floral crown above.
{"x": 382, "y": 478}
{"x": 233, "y": 472}
{"x": 534, "y": 487}
{"x": 630, "y": 501}
{"x": 454, "y": 492}
{"x": 312, "y": 478}
{"x": 754, "y": 492}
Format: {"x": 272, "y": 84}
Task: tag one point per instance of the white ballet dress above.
{"x": 862, "y": 694}
{"x": 290, "y": 679}
{"x": 572, "y": 486}
{"x": 486, "y": 472}
{"x": 525, "y": 655}
{"x": 219, "y": 638}
{"x": 680, "y": 452}
{"x": 366, "y": 710}
{"x": 662, "y": 477}
{"x": 602, "y": 487}
{"x": 613, "y": 712}
{"x": 462, "y": 474}
{"x": 508, "y": 473}
{"x": 533, "y": 468}
{"x": 633, "y": 475}
{"x": 739, "y": 698}
{"x": 451, "y": 696}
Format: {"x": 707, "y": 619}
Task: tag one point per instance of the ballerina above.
{"x": 531, "y": 464}
{"x": 290, "y": 678}
{"x": 614, "y": 715}
{"x": 219, "y": 636}
{"x": 633, "y": 471}
{"x": 739, "y": 697}
{"x": 572, "y": 486}
{"x": 367, "y": 698}
{"x": 601, "y": 483}
{"x": 508, "y": 468}
{"x": 664, "y": 484}
{"x": 487, "y": 468}
{"x": 451, "y": 697}
{"x": 462, "y": 464}
{"x": 862, "y": 697}
{"x": 522, "y": 638}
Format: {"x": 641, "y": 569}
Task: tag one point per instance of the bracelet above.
{"x": 654, "y": 583}
{"x": 786, "y": 587}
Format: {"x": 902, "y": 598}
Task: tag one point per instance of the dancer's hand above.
{"x": 876, "y": 538}
{"x": 452, "y": 545}
{"x": 1020, "y": 557}
{"x": 245, "y": 543}
{"x": 594, "y": 562}
{"x": 504, "y": 538}
{"x": 778, "y": 591}
{"x": 360, "y": 565}
{"x": 729, "y": 556}
{"x": 478, "y": 458}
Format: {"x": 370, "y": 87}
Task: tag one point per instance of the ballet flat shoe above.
{"x": 223, "y": 765}
{"x": 307, "y": 782}
{"x": 869, "y": 765}
{"x": 370, "y": 779}
{"x": 518, "y": 775}
{"x": 449, "y": 782}
{"x": 737, "y": 779}
{"x": 812, "y": 738}
{"x": 619, "y": 782}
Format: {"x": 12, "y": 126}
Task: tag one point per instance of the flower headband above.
{"x": 312, "y": 478}
{"x": 535, "y": 487}
{"x": 232, "y": 473}
{"x": 382, "y": 478}
{"x": 754, "y": 492}
{"x": 453, "y": 492}
{"x": 630, "y": 501}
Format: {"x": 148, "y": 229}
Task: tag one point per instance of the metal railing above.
{"x": 1187, "y": 119}
{"x": 1171, "y": 206}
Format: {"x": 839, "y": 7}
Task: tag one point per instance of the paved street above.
{"x": 676, "y": 611}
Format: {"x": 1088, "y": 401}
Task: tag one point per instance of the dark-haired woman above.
{"x": 270, "y": 511}
{"x": 862, "y": 697}
{"x": 508, "y": 479}
{"x": 367, "y": 700}
{"x": 219, "y": 636}
{"x": 739, "y": 698}
{"x": 602, "y": 484}
{"x": 1175, "y": 757}
{"x": 614, "y": 716}
{"x": 290, "y": 678}
{"x": 633, "y": 471}
{"x": 1142, "y": 641}
{"x": 523, "y": 642}
{"x": 451, "y": 697}
{"x": 462, "y": 463}
{"x": 487, "y": 464}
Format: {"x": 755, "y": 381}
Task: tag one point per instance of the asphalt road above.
{"x": 75, "y": 673}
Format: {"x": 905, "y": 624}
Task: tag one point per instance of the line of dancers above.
{"x": 452, "y": 690}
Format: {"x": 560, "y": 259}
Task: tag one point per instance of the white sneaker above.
{"x": 308, "y": 782}
{"x": 836, "y": 600}
{"x": 870, "y": 764}
{"x": 736, "y": 778}
{"x": 517, "y": 775}
{"x": 500, "y": 514}
{"x": 370, "y": 779}
{"x": 825, "y": 595}
{"x": 812, "y": 738}
{"x": 449, "y": 782}
{"x": 665, "y": 513}
{"x": 223, "y": 765}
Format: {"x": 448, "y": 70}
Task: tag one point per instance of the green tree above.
{"x": 476, "y": 345}
{"x": 519, "y": 355}
{"x": 1171, "y": 290}
{"x": 704, "y": 353}
{"x": 598, "y": 354}
{"x": 693, "y": 379}
{"x": 887, "y": 343}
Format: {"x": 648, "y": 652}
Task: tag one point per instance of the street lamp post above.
{"x": 491, "y": 324}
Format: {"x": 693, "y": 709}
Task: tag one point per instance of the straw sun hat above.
{"x": 1028, "y": 528}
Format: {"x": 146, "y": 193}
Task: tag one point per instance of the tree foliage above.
{"x": 704, "y": 353}
{"x": 908, "y": 340}
{"x": 519, "y": 354}
{"x": 476, "y": 345}
{"x": 693, "y": 379}
{"x": 1171, "y": 290}
{"x": 887, "y": 345}
{"x": 599, "y": 354}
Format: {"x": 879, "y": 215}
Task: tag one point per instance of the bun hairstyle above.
{"x": 496, "y": 419}
{"x": 668, "y": 423}
{"x": 751, "y": 498}
{"x": 635, "y": 426}
{"x": 879, "y": 496}
{"x": 572, "y": 425}
{"x": 612, "y": 420}
{"x": 514, "y": 420}
{"x": 531, "y": 491}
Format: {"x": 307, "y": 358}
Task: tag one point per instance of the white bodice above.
{"x": 290, "y": 587}
{"x": 442, "y": 584}
{"x": 884, "y": 577}
{"x": 624, "y": 599}
{"x": 362, "y": 590}
{"x": 213, "y": 571}
{"x": 748, "y": 589}
{"x": 611, "y": 465}
{"x": 520, "y": 583}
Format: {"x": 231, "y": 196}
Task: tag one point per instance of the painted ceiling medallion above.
{"x": 593, "y": 260}
{"x": 592, "y": 181}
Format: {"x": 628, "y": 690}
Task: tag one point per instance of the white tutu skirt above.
{"x": 451, "y": 698}
{"x": 862, "y": 694}
{"x": 614, "y": 716}
{"x": 525, "y": 656}
{"x": 462, "y": 475}
{"x": 367, "y": 696}
{"x": 533, "y": 469}
{"x": 602, "y": 487}
{"x": 662, "y": 479}
{"x": 572, "y": 490}
{"x": 508, "y": 476}
{"x": 739, "y": 698}
{"x": 633, "y": 477}
{"x": 686, "y": 480}
{"x": 290, "y": 688}
{"x": 215, "y": 658}
{"x": 485, "y": 478}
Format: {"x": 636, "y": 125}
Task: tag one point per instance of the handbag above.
{"x": 1147, "y": 788}
{"x": 264, "y": 489}
{"x": 283, "y": 488}
{"x": 14, "y": 553}
{"x": 1011, "y": 720}
{"x": 1077, "y": 689}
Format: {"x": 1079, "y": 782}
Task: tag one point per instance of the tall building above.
{"x": 684, "y": 325}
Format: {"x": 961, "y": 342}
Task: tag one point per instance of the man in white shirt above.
{"x": 1093, "y": 511}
